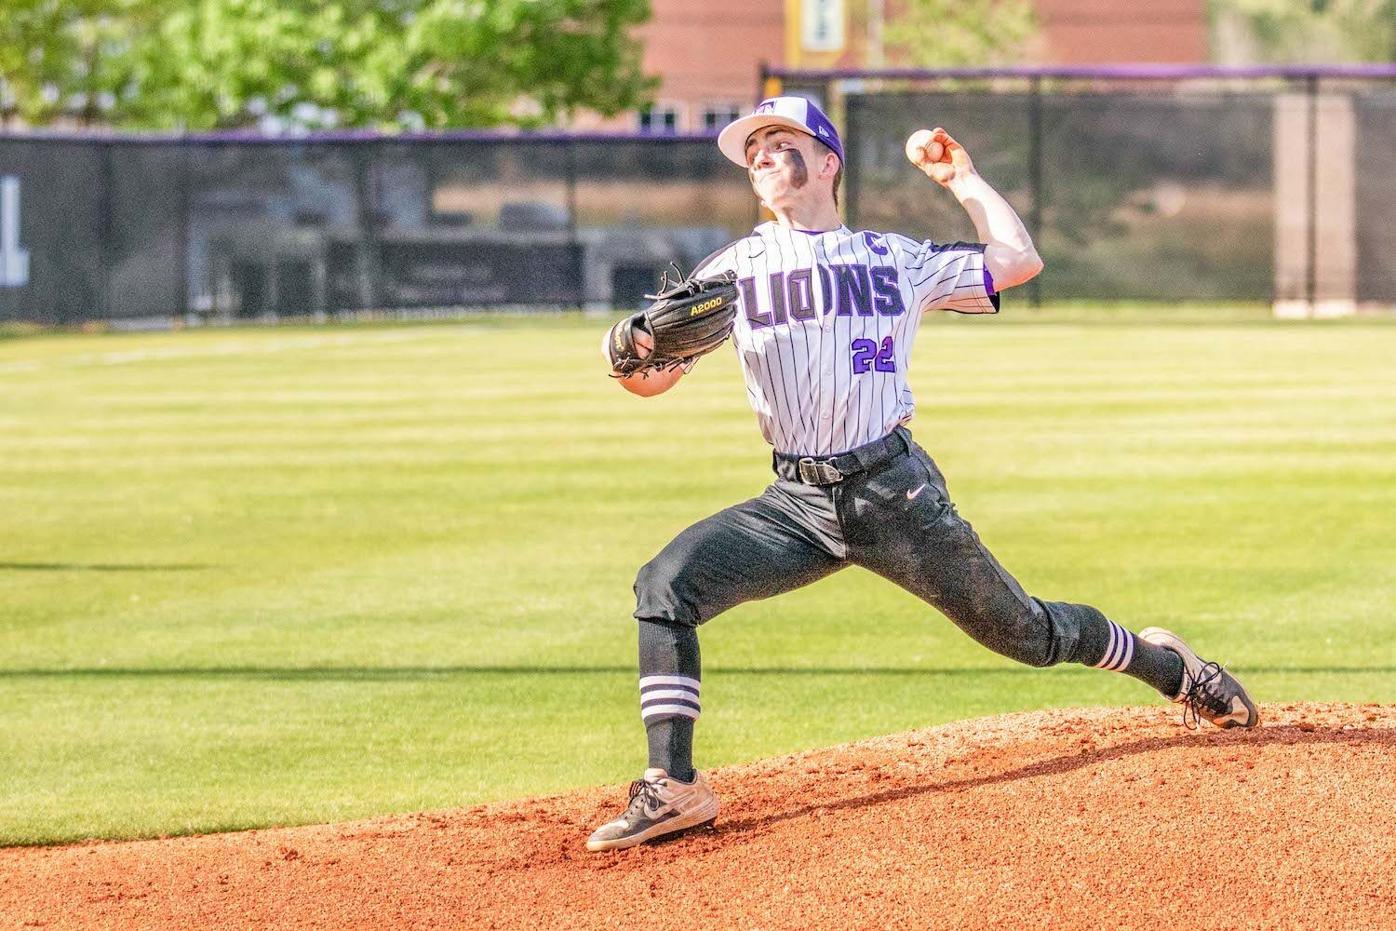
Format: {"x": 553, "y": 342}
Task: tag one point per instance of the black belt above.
{"x": 830, "y": 470}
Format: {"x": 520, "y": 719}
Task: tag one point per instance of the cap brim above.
{"x": 732, "y": 140}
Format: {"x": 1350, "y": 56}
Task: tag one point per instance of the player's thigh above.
{"x": 914, "y": 536}
{"x": 752, "y": 550}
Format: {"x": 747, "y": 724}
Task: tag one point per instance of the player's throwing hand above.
{"x": 936, "y": 153}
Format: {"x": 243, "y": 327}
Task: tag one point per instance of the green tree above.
{"x": 1304, "y": 31}
{"x": 206, "y": 64}
{"x": 66, "y": 58}
{"x": 957, "y": 33}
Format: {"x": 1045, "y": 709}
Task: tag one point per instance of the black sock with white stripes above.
{"x": 670, "y": 670}
{"x": 1107, "y": 645}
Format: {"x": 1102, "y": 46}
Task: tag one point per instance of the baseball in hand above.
{"x": 921, "y": 148}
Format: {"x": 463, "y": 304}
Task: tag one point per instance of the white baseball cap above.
{"x": 794, "y": 112}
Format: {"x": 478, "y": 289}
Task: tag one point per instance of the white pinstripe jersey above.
{"x": 826, "y": 323}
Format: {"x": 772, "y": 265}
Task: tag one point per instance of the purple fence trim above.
{"x": 1123, "y": 72}
{"x": 342, "y": 137}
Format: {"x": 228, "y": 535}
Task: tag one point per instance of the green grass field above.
{"x": 294, "y": 575}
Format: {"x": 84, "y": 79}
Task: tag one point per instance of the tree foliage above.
{"x": 958, "y": 33}
{"x": 204, "y": 64}
{"x": 1306, "y": 31}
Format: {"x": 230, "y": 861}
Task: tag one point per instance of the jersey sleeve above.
{"x": 951, "y": 276}
{"x": 723, "y": 260}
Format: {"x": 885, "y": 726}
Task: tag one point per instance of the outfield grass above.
{"x": 298, "y": 575}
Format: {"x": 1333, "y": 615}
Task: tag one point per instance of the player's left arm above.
{"x": 1009, "y": 254}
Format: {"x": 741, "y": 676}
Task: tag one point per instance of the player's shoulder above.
{"x": 882, "y": 243}
{"x": 904, "y": 243}
{"x": 917, "y": 253}
{"x": 726, "y": 258}
{"x": 881, "y": 240}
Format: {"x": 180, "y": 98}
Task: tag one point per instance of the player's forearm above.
{"x": 1008, "y": 252}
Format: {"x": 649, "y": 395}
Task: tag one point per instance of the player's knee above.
{"x": 659, "y": 575}
{"x": 662, "y": 594}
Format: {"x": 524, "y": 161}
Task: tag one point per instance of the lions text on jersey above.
{"x": 827, "y": 323}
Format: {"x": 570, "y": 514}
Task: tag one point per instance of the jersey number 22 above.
{"x": 868, "y": 355}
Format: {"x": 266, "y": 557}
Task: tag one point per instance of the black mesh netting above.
{"x": 1133, "y": 196}
{"x": 1134, "y": 190}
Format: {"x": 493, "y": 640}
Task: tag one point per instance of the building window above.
{"x": 718, "y": 115}
{"x": 662, "y": 119}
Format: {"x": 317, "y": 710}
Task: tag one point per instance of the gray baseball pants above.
{"x": 896, "y": 520}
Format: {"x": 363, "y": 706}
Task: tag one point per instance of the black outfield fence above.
{"x": 1149, "y": 184}
{"x": 232, "y": 226}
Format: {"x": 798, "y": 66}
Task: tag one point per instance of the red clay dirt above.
{"x": 1070, "y": 819}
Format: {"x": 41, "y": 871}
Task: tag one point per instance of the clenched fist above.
{"x": 937, "y": 154}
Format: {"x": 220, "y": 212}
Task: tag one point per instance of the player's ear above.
{"x": 830, "y": 168}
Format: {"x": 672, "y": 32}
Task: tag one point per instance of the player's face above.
{"x": 782, "y": 163}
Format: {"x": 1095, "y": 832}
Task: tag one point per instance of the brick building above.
{"x": 708, "y": 56}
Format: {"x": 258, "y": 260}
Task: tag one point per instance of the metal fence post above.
{"x": 852, "y": 176}
{"x": 763, "y": 85}
{"x": 569, "y": 147}
{"x": 1311, "y": 286}
{"x": 1035, "y": 178}
{"x": 367, "y": 252}
{"x": 186, "y": 182}
{"x": 107, "y": 229}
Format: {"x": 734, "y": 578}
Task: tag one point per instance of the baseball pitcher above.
{"x": 823, "y": 319}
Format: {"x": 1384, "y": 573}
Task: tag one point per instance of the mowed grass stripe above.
{"x": 291, "y": 576}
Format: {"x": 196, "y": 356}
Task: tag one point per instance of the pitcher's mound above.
{"x": 1085, "y": 819}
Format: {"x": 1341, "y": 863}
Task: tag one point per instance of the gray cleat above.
{"x": 659, "y": 806}
{"x": 1208, "y": 691}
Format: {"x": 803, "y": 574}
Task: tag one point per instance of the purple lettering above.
{"x": 854, "y": 290}
{"x": 863, "y": 352}
{"x": 869, "y": 356}
{"x": 778, "y": 297}
{"x": 886, "y": 361}
{"x": 800, "y": 290}
{"x": 748, "y": 288}
{"x": 887, "y": 293}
